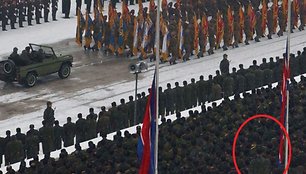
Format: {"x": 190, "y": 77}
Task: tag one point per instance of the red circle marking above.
{"x": 246, "y": 122}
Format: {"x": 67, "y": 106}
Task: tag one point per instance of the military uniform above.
{"x": 46, "y": 5}
{"x": 103, "y": 123}
{"x": 14, "y": 151}
{"x": 30, "y": 11}
{"x": 12, "y": 13}
{"x": 58, "y": 132}
{"x": 37, "y": 5}
{"x": 69, "y": 133}
{"x": 81, "y": 130}
{"x": 258, "y": 27}
{"x": 21, "y": 14}
{"x": 211, "y": 36}
{"x": 46, "y": 137}
{"x": 170, "y": 98}
{"x": 32, "y": 145}
{"x": 4, "y": 16}
{"x": 54, "y": 9}
{"x": 92, "y": 125}
{"x": 66, "y": 5}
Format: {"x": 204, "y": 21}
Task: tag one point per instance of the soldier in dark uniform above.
{"x": 88, "y": 3}
{"x": 49, "y": 114}
{"x": 247, "y": 29}
{"x": 21, "y": 10}
{"x": 186, "y": 95}
{"x": 1, "y": 149}
{"x": 200, "y": 90}
{"x": 46, "y": 4}
{"x": 54, "y": 9}
{"x": 92, "y": 124}
{"x": 37, "y": 5}
{"x": 81, "y": 129}
{"x": 162, "y": 102}
{"x": 4, "y": 15}
{"x": 237, "y": 29}
{"x": 258, "y": 27}
{"x": 12, "y": 13}
{"x": 32, "y": 142}
{"x": 193, "y": 86}
{"x": 169, "y": 94}
{"x": 179, "y": 98}
{"x": 211, "y": 36}
{"x": 69, "y": 133}
{"x": 46, "y": 137}
{"x": 131, "y": 107}
{"x": 270, "y": 23}
{"x": 123, "y": 109}
{"x": 30, "y": 11}
{"x": 187, "y": 42}
{"x": 14, "y": 150}
{"x": 66, "y": 7}
{"x": 58, "y": 135}
{"x": 224, "y": 65}
{"x": 228, "y": 85}
{"x": 6, "y": 140}
{"x": 281, "y": 22}
{"x": 103, "y": 121}
{"x": 114, "y": 116}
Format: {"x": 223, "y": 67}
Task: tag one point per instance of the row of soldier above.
{"x": 187, "y": 28}
{"x": 22, "y": 11}
{"x": 171, "y": 100}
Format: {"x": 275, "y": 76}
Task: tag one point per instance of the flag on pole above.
{"x": 252, "y": 16}
{"x": 219, "y": 30}
{"x": 230, "y": 22}
{"x": 241, "y": 21}
{"x": 296, "y": 9}
{"x": 284, "y": 88}
{"x": 204, "y": 30}
{"x": 180, "y": 39}
{"x": 80, "y": 27}
{"x": 275, "y": 14}
{"x": 146, "y": 141}
{"x": 152, "y": 6}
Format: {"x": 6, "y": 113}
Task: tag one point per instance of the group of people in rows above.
{"x": 198, "y": 143}
{"x": 20, "y": 11}
{"x": 172, "y": 100}
{"x": 187, "y": 27}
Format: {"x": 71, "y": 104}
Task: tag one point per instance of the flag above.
{"x": 111, "y": 21}
{"x": 145, "y": 40}
{"x": 135, "y": 39}
{"x": 164, "y": 5}
{"x": 204, "y": 30}
{"x": 165, "y": 41}
{"x": 178, "y": 2}
{"x": 264, "y": 12}
{"x": 251, "y": 14}
{"x": 219, "y": 29}
{"x": 241, "y": 21}
{"x": 146, "y": 141}
{"x": 284, "y": 88}
{"x": 79, "y": 31}
{"x": 196, "y": 35}
{"x": 230, "y": 21}
{"x": 152, "y": 6}
{"x": 296, "y": 8}
{"x": 285, "y": 9}
{"x": 275, "y": 14}
{"x": 88, "y": 30}
{"x": 180, "y": 39}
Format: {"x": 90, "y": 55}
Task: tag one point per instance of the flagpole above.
{"x": 157, "y": 35}
{"x": 288, "y": 58}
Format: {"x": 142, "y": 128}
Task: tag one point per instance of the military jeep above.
{"x": 41, "y": 61}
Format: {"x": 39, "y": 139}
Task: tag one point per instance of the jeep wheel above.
{"x": 8, "y": 67}
{"x": 64, "y": 72}
{"x": 30, "y": 80}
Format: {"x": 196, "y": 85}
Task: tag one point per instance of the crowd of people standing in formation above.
{"x": 187, "y": 27}
{"x": 172, "y": 100}
{"x": 201, "y": 142}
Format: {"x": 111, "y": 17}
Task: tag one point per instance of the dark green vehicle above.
{"x": 38, "y": 61}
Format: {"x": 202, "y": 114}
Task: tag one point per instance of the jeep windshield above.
{"x": 48, "y": 51}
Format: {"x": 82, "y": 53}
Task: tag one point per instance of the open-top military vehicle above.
{"x": 38, "y": 61}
